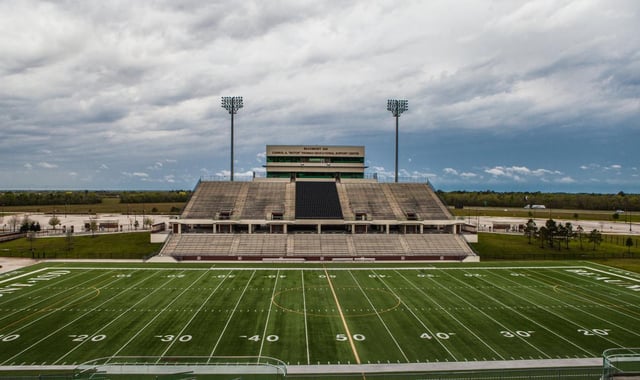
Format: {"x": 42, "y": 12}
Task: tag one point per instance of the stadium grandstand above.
{"x": 316, "y": 204}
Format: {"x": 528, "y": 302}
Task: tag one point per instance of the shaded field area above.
{"x": 68, "y": 315}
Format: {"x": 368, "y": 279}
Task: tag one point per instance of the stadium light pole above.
{"x": 397, "y": 107}
{"x": 232, "y": 104}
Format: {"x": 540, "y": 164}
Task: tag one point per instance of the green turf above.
{"x": 69, "y": 315}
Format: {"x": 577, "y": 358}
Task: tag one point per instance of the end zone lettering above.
{"x": 9, "y": 289}
{"x": 606, "y": 279}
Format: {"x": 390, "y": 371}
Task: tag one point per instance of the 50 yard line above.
{"x": 304, "y": 309}
{"x": 344, "y": 322}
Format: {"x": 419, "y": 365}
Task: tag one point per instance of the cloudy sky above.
{"x": 503, "y": 95}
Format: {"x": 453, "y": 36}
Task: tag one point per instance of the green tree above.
{"x": 54, "y": 221}
{"x": 595, "y": 237}
{"x": 629, "y": 244}
{"x": 543, "y": 235}
{"x": 93, "y": 226}
{"x": 552, "y": 231}
{"x": 579, "y": 232}
{"x": 530, "y": 229}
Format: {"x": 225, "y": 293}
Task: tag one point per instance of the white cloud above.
{"x": 450, "y": 171}
{"x": 47, "y": 165}
{"x": 90, "y": 83}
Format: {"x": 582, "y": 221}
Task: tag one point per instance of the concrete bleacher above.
{"x": 397, "y": 214}
{"x": 367, "y": 197}
{"x": 419, "y": 198}
{"x": 211, "y": 197}
{"x": 317, "y": 200}
{"x": 314, "y": 246}
{"x": 263, "y": 198}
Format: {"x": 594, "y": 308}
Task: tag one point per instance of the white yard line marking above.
{"x": 439, "y": 341}
{"x": 266, "y": 323}
{"x": 53, "y": 294}
{"x": 230, "y": 317}
{"x": 344, "y": 321}
{"x": 479, "y": 310}
{"x": 548, "y": 311}
{"x": 194, "y": 315}
{"x": 63, "y": 327}
{"x": 23, "y": 275}
{"x": 582, "y": 311}
{"x": 373, "y": 307}
{"x": 125, "y": 313}
{"x": 304, "y": 308}
{"x": 52, "y": 310}
{"x": 164, "y": 308}
{"x": 524, "y": 317}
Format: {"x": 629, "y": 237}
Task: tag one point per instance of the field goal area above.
{"x": 621, "y": 363}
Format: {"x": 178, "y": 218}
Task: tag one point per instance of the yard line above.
{"x": 230, "y": 317}
{"x": 65, "y": 326}
{"x": 52, "y": 309}
{"x": 448, "y": 313}
{"x": 53, "y": 294}
{"x": 482, "y": 312}
{"x": 194, "y": 315}
{"x": 529, "y": 319}
{"x": 23, "y": 275}
{"x": 30, "y": 290}
{"x": 607, "y": 287}
{"x": 379, "y": 317}
{"x": 548, "y": 311}
{"x": 266, "y": 324}
{"x": 304, "y": 308}
{"x": 581, "y": 310}
{"x": 344, "y": 322}
{"x": 157, "y": 314}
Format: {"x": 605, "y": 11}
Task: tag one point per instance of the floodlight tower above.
{"x": 232, "y": 104}
{"x": 397, "y": 107}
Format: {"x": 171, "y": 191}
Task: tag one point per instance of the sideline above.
{"x": 342, "y": 368}
{"x": 443, "y": 366}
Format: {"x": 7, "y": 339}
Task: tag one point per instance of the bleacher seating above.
{"x": 252, "y": 204}
{"x": 419, "y": 198}
{"x": 314, "y": 246}
{"x": 263, "y": 198}
{"x": 317, "y": 200}
{"x": 367, "y": 197}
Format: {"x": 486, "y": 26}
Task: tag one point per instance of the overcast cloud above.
{"x": 503, "y": 95}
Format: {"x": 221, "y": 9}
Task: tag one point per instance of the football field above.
{"x": 68, "y": 314}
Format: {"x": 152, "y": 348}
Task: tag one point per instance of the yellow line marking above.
{"x": 344, "y": 322}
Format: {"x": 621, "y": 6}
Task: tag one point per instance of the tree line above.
{"x": 154, "y": 196}
{"x": 580, "y": 201}
{"x": 33, "y": 198}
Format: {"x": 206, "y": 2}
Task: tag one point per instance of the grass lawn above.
{"x": 493, "y": 246}
{"x": 101, "y": 246}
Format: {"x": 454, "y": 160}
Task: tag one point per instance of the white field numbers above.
{"x": 516, "y": 334}
{"x": 171, "y": 338}
{"x": 438, "y": 335}
{"x": 87, "y": 338}
{"x": 256, "y": 338}
{"x": 9, "y": 338}
{"x": 344, "y": 337}
{"x": 594, "y": 332}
